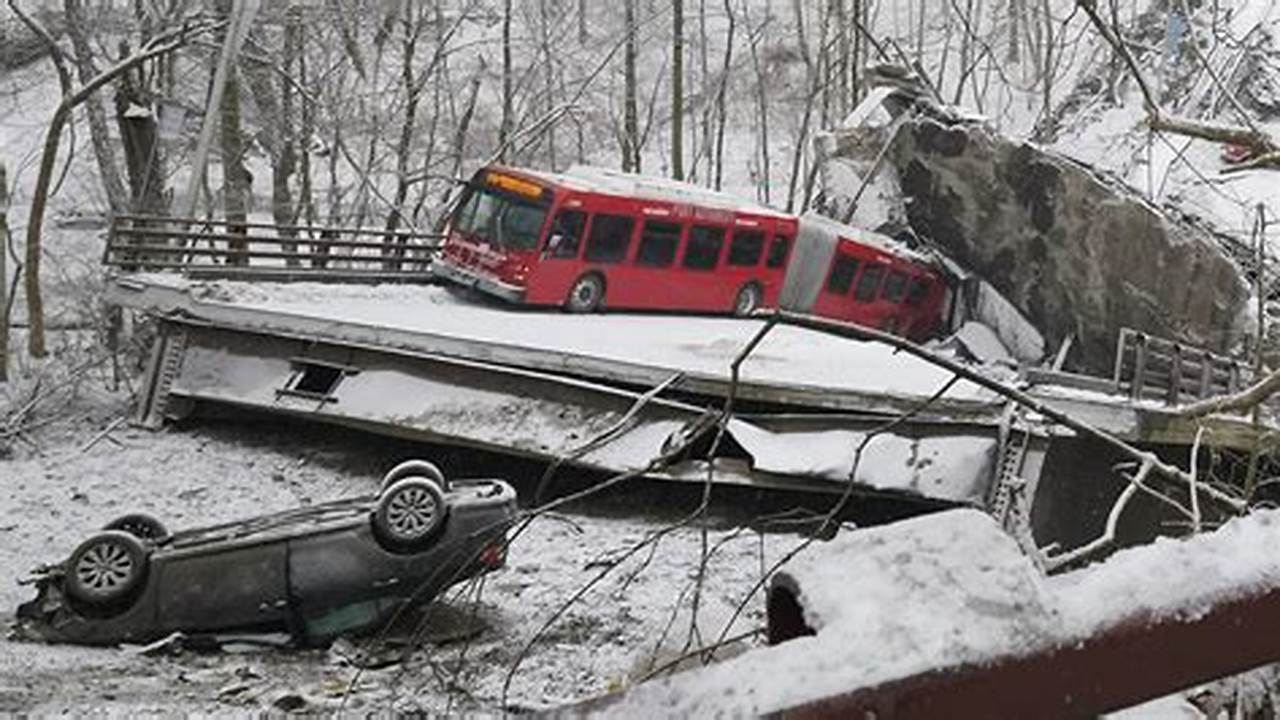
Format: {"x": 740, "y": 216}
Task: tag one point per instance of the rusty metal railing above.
{"x": 219, "y": 248}
{"x": 1149, "y": 367}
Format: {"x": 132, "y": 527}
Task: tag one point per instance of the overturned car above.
{"x": 314, "y": 572}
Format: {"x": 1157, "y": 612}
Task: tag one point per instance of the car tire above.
{"x": 586, "y": 295}
{"x": 409, "y": 513}
{"x": 747, "y": 300}
{"x": 414, "y": 468}
{"x": 106, "y": 569}
{"x": 141, "y": 526}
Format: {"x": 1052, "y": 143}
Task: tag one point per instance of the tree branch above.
{"x": 1246, "y": 399}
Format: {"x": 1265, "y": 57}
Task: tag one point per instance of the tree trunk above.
{"x": 306, "y": 194}
{"x": 548, "y": 77}
{"x": 504, "y": 129}
{"x": 1014, "y": 13}
{"x": 283, "y": 207}
{"x": 236, "y": 181}
{"x": 677, "y": 89}
{"x": 404, "y": 145}
{"x": 4, "y": 273}
{"x": 99, "y": 132}
{"x": 721, "y": 113}
{"x": 140, "y": 136}
{"x": 630, "y": 119}
{"x": 762, "y": 106}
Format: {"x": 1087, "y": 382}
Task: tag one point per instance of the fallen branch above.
{"x": 1265, "y": 160}
{"x": 1260, "y": 142}
{"x": 1246, "y": 399}
{"x": 1108, "y": 536}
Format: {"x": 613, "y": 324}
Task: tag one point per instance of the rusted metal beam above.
{"x": 1135, "y": 661}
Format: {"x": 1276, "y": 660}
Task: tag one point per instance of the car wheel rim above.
{"x": 104, "y": 568}
{"x": 746, "y": 301}
{"x": 586, "y": 294}
{"x": 411, "y": 512}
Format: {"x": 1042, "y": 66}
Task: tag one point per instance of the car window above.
{"x": 842, "y": 272}
{"x": 609, "y": 238}
{"x": 778, "y": 251}
{"x": 746, "y": 247}
{"x": 658, "y": 241}
{"x": 565, "y": 237}
{"x": 703, "y": 250}
{"x": 868, "y": 283}
{"x": 894, "y": 287}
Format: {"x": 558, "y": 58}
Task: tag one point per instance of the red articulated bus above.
{"x": 590, "y": 238}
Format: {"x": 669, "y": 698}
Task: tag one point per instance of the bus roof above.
{"x": 837, "y": 231}
{"x": 586, "y": 178}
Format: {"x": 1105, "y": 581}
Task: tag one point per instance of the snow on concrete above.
{"x": 951, "y": 589}
{"x": 886, "y": 603}
{"x": 698, "y": 345}
{"x": 1173, "y": 578}
{"x": 956, "y": 467}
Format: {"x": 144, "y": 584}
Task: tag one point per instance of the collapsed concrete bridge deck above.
{"x": 418, "y": 362}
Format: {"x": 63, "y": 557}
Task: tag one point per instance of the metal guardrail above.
{"x": 218, "y": 248}
{"x": 1149, "y": 367}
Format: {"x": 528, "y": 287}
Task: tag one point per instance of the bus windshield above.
{"x": 500, "y": 219}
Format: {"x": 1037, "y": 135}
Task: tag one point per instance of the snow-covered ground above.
{"x": 63, "y": 480}
{"x": 221, "y": 470}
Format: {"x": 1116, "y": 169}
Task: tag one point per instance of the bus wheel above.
{"x": 586, "y": 294}
{"x": 747, "y": 301}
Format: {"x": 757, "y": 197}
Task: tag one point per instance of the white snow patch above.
{"x": 951, "y": 589}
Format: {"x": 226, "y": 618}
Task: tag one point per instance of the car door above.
{"x": 219, "y": 585}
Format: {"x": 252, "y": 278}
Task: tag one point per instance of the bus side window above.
{"x": 703, "y": 250}
{"x": 868, "y": 283}
{"x": 778, "y": 251}
{"x": 917, "y": 291}
{"x": 565, "y": 237}
{"x": 609, "y": 238}
{"x": 746, "y": 247}
{"x": 841, "y": 277}
{"x": 658, "y": 241}
{"x": 894, "y": 287}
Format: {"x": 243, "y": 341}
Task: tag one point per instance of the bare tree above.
{"x": 677, "y": 89}
{"x": 236, "y": 181}
{"x": 4, "y": 273}
{"x": 504, "y": 129}
{"x": 99, "y": 135}
{"x": 754, "y": 36}
{"x": 158, "y": 46}
{"x": 721, "y": 88}
{"x": 630, "y": 119}
{"x": 1266, "y": 149}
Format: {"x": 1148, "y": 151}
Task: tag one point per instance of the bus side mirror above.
{"x": 553, "y": 243}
